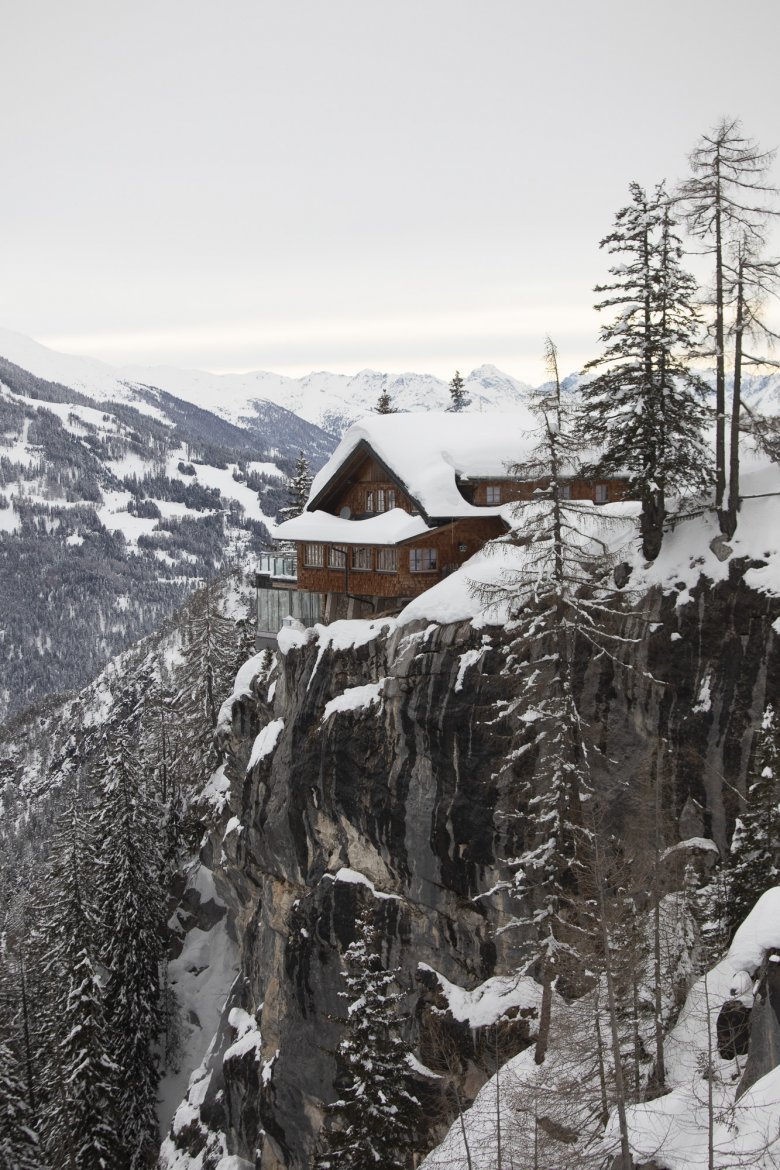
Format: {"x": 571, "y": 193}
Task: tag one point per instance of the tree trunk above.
{"x": 720, "y": 362}
{"x": 545, "y": 1013}
{"x": 729, "y": 523}
{"x": 652, "y": 523}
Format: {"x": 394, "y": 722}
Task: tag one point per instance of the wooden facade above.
{"x": 342, "y": 571}
{"x": 363, "y": 487}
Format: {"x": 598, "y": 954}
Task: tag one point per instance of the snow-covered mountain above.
{"x": 116, "y": 500}
{"x": 254, "y": 400}
{"x": 330, "y": 401}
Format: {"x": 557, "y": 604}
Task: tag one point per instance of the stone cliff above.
{"x": 381, "y": 762}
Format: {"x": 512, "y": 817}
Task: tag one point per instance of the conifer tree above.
{"x": 755, "y": 845}
{"x": 560, "y": 593}
{"x": 460, "y": 399}
{"x": 210, "y": 651}
{"x": 645, "y": 411}
{"x": 131, "y": 932}
{"x": 376, "y": 1115}
{"x": 726, "y": 197}
{"x": 84, "y": 1111}
{"x": 298, "y": 488}
{"x": 18, "y": 1141}
{"x": 385, "y": 403}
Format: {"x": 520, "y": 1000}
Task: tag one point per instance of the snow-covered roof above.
{"x": 427, "y": 450}
{"x": 385, "y": 528}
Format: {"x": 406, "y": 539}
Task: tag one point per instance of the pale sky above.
{"x": 301, "y": 184}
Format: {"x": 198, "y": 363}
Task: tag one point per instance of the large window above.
{"x": 386, "y": 560}
{"x": 493, "y": 494}
{"x": 337, "y": 557}
{"x": 314, "y": 555}
{"x": 422, "y": 560}
{"x": 361, "y": 558}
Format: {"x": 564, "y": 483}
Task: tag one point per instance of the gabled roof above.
{"x": 425, "y": 452}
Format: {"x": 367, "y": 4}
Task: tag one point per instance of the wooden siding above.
{"x": 472, "y": 534}
{"x": 511, "y": 489}
{"x": 369, "y": 475}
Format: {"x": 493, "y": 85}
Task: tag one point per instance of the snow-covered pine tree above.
{"x": 18, "y": 1141}
{"x": 128, "y": 824}
{"x": 645, "y": 411}
{"x": 460, "y": 399}
{"x": 84, "y": 1113}
{"x": 372, "y": 1124}
{"x": 298, "y": 488}
{"x": 385, "y": 403}
{"x": 561, "y": 592}
{"x": 726, "y": 196}
{"x": 755, "y": 846}
{"x": 77, "y": 1109}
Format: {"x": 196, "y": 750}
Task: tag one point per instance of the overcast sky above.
{"x": 335, "y": 184}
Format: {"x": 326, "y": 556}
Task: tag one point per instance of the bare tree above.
{"x": 726, "y": 196}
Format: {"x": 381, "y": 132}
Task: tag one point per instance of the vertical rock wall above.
{"x": 408, "y": 787}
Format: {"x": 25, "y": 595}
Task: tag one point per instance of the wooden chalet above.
{"x": 405, "y": 500}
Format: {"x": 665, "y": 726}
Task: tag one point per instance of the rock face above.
{"x": 395, "y": 771}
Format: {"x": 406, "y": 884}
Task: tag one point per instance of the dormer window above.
{"x": 492, "y": 495}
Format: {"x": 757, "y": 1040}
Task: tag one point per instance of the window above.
{"x": 361, "y": 558}
{"x": 380, "y": 499}
{"x": 386, "y": 560}
{"x": 337, "y": 557}
{"x": 422, "y": 560}
{"x": 602, "y": 493}
{"x": 314, "y": 555}
{"x": 493, "y": 494}
{"x": 564, "y": 491}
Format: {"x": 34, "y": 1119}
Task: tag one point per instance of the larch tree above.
{"x": 726, "y": 197}
{"x": 373, "y": 1122}
{"x": 210, "y": 651}
{"x": 750, "y": 280}
{"x": 645, "y": 411}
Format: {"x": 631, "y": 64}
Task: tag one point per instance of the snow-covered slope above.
{"x": 331, "y": 401}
